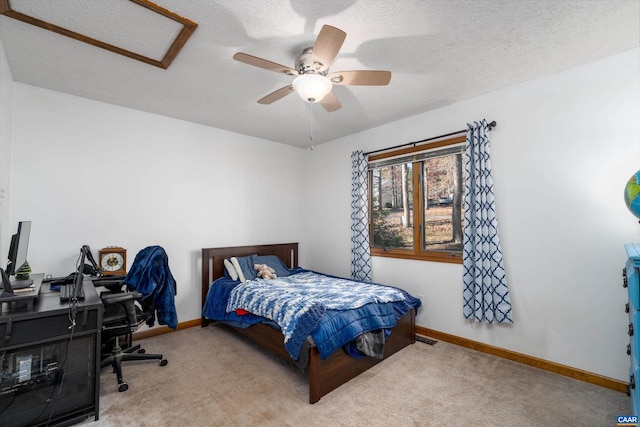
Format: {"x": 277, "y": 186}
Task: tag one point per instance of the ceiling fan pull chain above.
{"x": 311, "y": 126}
{"x": 310, "y": 122}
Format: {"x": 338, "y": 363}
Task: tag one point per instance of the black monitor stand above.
{"x": 10, "y": 285}
{"x": 20, "y": 283}
{"x": 7, "y": 289}
{"x": 10, "y": 294}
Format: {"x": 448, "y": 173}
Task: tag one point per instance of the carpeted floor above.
{"x": 217, "y": 378}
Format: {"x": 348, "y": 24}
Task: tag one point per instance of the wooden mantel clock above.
{"x": 113, "y": 260}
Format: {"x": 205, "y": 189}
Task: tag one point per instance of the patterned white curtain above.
{"x": 485, "y": 295}
{"x": 360, "y": 251}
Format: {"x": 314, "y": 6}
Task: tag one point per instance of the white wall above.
{"x": 92, "y": 173}
{"x": 6, "y": 90}
{"x": 563, "y": 149}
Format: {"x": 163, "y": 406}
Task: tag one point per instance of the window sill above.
{"x": 431, "y": 256}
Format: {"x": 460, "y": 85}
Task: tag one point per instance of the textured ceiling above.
{"x": 439, "y": 51}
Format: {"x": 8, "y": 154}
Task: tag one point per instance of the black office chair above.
{"x": 124, "y": 312}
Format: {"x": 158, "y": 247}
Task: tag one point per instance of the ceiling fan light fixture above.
{"x": 312, "y": 87}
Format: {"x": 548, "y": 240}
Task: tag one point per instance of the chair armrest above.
{"x": 114, "y": 288}
{"x": 127, "y": 302}
{"x": 119, "y": 298}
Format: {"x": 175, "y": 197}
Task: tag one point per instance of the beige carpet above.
{"x": 216, "y": 378}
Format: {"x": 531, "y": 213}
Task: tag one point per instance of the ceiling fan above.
{"x": 314, "y": 82}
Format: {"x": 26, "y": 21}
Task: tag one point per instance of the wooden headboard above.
{"x": 213, "y": 260}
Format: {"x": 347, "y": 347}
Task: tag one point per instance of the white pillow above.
{"x": 231, "y": 271}
{"x": 236, "y": 265}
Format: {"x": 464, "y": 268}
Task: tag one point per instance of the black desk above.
{"x": 45, "y": 376}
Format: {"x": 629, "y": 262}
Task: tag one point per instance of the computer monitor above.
{"x": 19, "y": 246}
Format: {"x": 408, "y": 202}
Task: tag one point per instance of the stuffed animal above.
{"x": 264, "y": 271}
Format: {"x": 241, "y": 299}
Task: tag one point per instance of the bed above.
{"x": 324, "y": 375}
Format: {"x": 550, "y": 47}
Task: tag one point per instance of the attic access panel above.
{"x": 164, "y": 22}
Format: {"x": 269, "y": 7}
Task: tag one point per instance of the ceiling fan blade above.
{"x": 276, "y": 95}
{"x": 327, "y": 46}
{"x": 330, "y": 102}
{"x": 263, "y": 63}
{"x": 361, "y": 77}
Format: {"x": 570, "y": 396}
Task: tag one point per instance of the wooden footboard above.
{"x": 324, "y": 375}
{"x": 337, "y": 369}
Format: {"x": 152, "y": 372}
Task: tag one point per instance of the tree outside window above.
{"x": 416, "y": 202}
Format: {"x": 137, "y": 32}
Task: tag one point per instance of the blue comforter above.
{"x": 320, "y": 308}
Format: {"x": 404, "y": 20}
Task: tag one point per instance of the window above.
{"x": 416, "y": 202}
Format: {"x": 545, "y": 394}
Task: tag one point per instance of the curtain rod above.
{"x": 490, "y": 125}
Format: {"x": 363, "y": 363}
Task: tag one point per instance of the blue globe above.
{"x": 632, "y": 194}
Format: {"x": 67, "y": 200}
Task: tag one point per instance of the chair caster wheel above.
{"x": 164, "y": 362}
{"x": 142, "y": 350}
{"x": 123, "y": 387}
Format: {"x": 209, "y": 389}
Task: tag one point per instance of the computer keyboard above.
{"x": 66, "y": 292}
